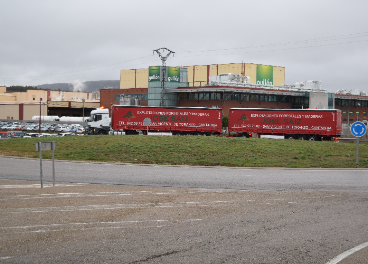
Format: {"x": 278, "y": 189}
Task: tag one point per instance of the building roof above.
{"x": 230, "y": 89}
{"x": 351, "y": 96}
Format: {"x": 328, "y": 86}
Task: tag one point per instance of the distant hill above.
{"x": 90, "y": 86}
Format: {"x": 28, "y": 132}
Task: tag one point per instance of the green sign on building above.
{"x": 264, "y": 74}
{"x": 173, "y": 74}
{"x": 154, "y": 73}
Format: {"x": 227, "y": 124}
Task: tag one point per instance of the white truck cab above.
{"x": 99, "y": 122}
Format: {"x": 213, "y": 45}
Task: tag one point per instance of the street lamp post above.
{"x": 83, "y": 109}
{"x": 39, "y": 123}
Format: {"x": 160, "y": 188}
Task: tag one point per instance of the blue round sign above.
{"x": 358, "y": 129}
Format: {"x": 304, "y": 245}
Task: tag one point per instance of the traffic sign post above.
{"x": 147, "y": 122}
{"x": 358, "y": 129}
{"x": 46, "y": 146}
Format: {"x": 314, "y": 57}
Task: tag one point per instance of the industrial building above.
{"x": 234, "y": 85}
{"x": 237, "y": 85}
{"x": 25, "y": 105}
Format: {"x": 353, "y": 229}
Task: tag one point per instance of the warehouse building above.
{"x": 248, "y": 85}
{"x": 25, "y": 105}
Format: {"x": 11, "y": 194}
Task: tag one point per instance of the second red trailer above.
{"x": 312, "y": 124}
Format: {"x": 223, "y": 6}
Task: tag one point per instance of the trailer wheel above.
{"x": 312, "y": 138}
{"x": 289, "y": 137}
{"x": 301, "y": 137}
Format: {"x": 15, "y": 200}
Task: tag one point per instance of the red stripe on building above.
{"x": 21, "y": 110}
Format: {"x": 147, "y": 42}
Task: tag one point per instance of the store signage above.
{"x": 154, "y": 73}
{"x": 173, "y": 74}
{"x": 264, "y": 74}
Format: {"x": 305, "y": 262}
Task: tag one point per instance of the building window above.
{"x": 364, "y": 103}
{"x": 227, "y": 96}
{"x": 263, "y": 98}
{"x": 351, "y": 103}
{"x": 338, "y": 102}
{"x": 344, "y": 112}
{"x": 254, "y": 98}
{"x": 357, "y": 113}
{"x": 236, "y": 97}
{"x": 244, "y": 97}
{"x": 183, "y": 96}
{"x": 193, "y": 96}
{"x": 281, "y": 99}
{"x": 358, "y": 103}
{"x": 272, "y": 98}
{"x": 216, "y": 96}
{"x": 142, "y": 97}
{"x": 351, "y": 113}
{"x": 345, "y": 102}
{"x": 344, "y": 120}
{"x": 364, "y": 113}
{"x": 204, "y": 96}
{"x": 330, "y": 100}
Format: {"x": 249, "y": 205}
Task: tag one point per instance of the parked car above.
{"x": 80, "y": 130}
{"x": 4, "y": 135}
{"x": 66, "y": 134}
{"x": 61, "y": 128}
{"x": 16, "y": 134}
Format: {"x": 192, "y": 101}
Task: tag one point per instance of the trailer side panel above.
{"x": 285, "y": 121}
{"x": 167, "y": 119}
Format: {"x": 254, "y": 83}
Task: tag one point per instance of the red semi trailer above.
{"x": 311, "y": 124}
{"x": 177, "y": 120}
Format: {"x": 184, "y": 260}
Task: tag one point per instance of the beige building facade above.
{"x": 25, "y": 105}
{"x": 198, "y": 75}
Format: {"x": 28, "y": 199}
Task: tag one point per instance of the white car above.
{"x": 61, "y": 129}
{"x": 80, "y": 130}
{"x": 65, "y": 134}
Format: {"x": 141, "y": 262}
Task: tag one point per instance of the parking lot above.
{"x": 32, "y": 129}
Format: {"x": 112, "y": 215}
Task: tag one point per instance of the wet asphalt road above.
{"x": 188, "y": 177}
{"x": 217, "y": 215}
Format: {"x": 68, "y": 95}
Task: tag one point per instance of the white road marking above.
{"x": 100, "y": 207}
{"x": 68, "y": 195}
{"x": 81, "y": 226}
{"x": 347, "y": 253}
{"x": 37, "y": 185}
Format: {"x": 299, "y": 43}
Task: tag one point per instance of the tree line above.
{"x": 18, "y": 88}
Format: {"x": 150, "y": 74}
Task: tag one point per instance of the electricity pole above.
{"x": 163, "y": 59}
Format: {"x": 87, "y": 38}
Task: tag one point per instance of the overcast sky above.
{"x": 49, "y": 41}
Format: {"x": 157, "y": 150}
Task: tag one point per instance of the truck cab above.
{"x": 99, "y": 122}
